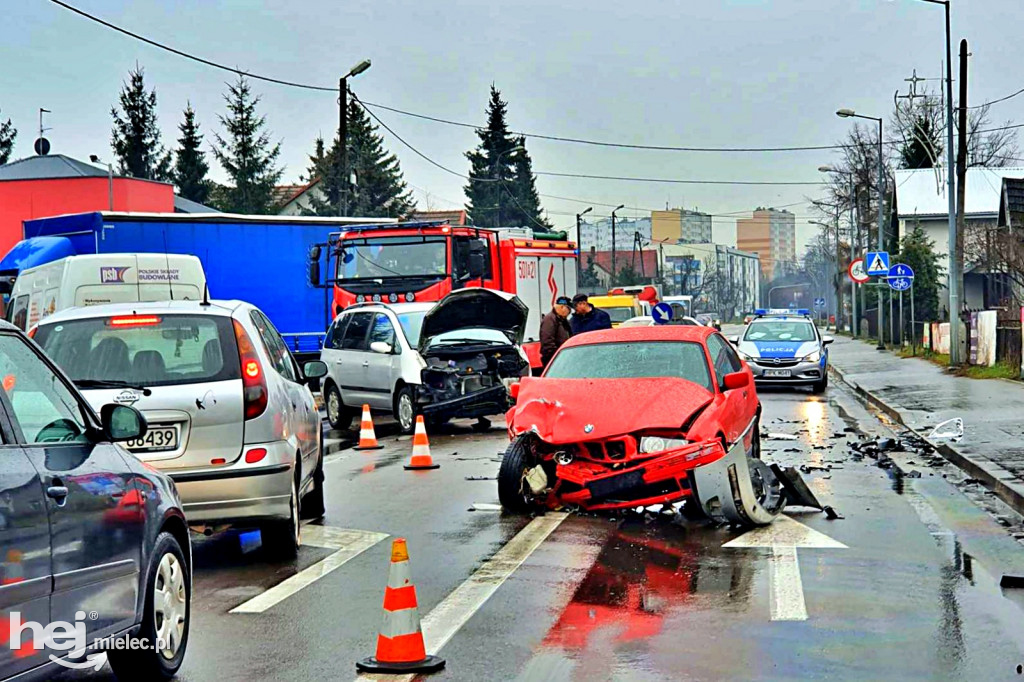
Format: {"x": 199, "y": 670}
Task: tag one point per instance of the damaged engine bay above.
{"x": 475, "y": 373}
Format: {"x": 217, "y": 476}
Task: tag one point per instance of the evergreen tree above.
{"x": 246, "y": 154}
{"x": 7, "y": 136}
{"x": 524, "y": 187}
{"x": 917, "y": 251}
{"x": 923, "y": 146}
{"x": 502, "y": 190}
{"x": 379, "y": 190}
{"x": 190, "y": 166}
{"x": 588, "y": 276}
{"x": 135, "y": 136}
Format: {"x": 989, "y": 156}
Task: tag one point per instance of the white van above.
{"x": 106, "y": 278}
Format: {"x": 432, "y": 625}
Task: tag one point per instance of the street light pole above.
{"x": 849, "y": 113}
{"x": 613, "y": 242}
{"x": 854, "y": 240}
{"x": 952, "y": 277}
{"x": 343, "y": 134}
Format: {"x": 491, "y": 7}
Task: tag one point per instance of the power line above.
{"x": 997, "y": 101}
{"x": 321, "y": 88}
{"x": 676, "y": 181}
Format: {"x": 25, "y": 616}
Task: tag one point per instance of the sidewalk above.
{"x": 919, "y": 394}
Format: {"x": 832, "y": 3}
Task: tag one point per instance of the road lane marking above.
{"x": 348, "y": 543}
{"x": 785, "y": 587}
{"x": 455, "y": 610}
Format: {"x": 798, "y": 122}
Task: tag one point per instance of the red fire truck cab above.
{"x": 426, "y": 261}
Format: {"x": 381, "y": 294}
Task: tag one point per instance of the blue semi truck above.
{"x": 260, "y": 259}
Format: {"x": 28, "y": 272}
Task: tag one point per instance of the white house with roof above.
{"x": 921, "y": 200}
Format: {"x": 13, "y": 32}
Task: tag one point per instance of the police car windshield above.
{"x": 780, "y": 330}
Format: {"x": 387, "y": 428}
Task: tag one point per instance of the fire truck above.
{"x": 426, "y": 261}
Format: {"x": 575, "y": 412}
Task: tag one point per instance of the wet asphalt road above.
{"x": 914, "y": 595}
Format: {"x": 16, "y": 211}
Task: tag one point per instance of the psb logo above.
{"x": 112, "y": 274}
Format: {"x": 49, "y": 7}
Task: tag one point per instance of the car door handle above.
{"x": 57, "y": 492}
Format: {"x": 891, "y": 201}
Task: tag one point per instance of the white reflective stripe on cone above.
{"x": 402, "y": 622}
{"x": 399, "y": 575}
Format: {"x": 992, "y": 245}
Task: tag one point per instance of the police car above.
{"x": 784, "y": 348}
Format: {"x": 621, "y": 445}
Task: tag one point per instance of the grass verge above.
{"x": 1000, "y": 370}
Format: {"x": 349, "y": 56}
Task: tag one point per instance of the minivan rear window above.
{"x": 145, "y": 350}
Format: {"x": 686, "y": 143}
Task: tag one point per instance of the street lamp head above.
{"x": 359, "y": 68}
{"x": 846, "y": 113}
{"x": 618, "y": 207}
{"x": 826, "y": 169}
{"x": 94, "y": 158}
{"x": 586, "y": 210}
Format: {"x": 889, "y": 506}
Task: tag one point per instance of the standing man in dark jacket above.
{"x": 587, "y": 318}
{"x": 554, "y": 330}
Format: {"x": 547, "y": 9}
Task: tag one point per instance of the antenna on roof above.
{"x": 167, "y": 267}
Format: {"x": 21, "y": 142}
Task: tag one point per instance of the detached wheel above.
{"x": 512, "y": 487}
{"x": 755, "y": 440}
{"x": 165, "y": 619}
{"x": 282, "y": 538}
{"x": 339, "y": 416}
{"x": 767, "y": 488}
{"x": 405, "y": 409}
{"x": 312, "y": 506}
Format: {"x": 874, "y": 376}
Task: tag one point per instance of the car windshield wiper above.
{"x": 112, "y": 383}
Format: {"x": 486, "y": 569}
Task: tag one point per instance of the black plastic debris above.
{"x": 797, "y": 492}
{"x": 808, "y": 468}
{"x": 831, "y": 514}
{"x": 1010, "y": 580}
{"x": 481, "y": 478}
{"x": 913, "y": 473}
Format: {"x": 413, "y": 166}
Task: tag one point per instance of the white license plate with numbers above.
{"x": 157, "y": 439}
{"x": 778, "y": 373}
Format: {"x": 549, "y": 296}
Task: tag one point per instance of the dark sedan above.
{"x": 95, "y": 560}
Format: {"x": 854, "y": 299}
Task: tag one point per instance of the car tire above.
{"x": 820, "y": 386}
{"x": 169, "y": 574}
{"x": 338, "y": 415}
{"x": 755, "y": 439}
{"x": 516, "y": 460}
{"x": 405, "y": 409}
{"x": 283, "y": 538}
{"x": 312, "y": 506}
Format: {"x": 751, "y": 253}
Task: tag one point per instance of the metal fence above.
{"x": 1008, "y": 343}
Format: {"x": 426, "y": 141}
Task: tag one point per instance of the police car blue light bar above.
{"x": 761, "y": 312}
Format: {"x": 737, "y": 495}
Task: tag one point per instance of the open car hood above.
{"x": 561, "y": 410}
{"x": 475, "y": 307}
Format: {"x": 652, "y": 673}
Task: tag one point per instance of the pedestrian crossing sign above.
{"x": 877, "y": 262}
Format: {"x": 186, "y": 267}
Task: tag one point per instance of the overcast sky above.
{"x": 685, "y": 73}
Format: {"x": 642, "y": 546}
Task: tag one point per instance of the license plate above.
{"x": 157, "y": 438}
{"x": 778, "y": 372}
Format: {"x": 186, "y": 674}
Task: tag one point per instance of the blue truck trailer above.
{"x": 259, "y": 259}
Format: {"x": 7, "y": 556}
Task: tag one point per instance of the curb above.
{"x": 994, "y": 477}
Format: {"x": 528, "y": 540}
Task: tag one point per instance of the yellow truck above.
{"x": 619, "y": 307}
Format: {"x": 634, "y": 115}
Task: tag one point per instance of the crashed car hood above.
{"x": 475, "y": 307}
{"x": 561, "y": 410}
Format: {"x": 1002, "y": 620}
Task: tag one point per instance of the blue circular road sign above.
{"x": 901, "y": 271}
{"x": 662, "y": 313}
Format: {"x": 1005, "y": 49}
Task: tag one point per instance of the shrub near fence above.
{"x": 1008, "y": 343}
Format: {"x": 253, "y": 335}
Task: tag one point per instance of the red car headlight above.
{"x": 649, "y": 444}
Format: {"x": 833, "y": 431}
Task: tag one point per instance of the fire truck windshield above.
{"x": 389, "y": 257}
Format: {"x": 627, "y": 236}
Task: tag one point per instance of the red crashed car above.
{"x": 641, "y": 416}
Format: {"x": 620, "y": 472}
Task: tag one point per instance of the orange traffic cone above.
{"x": 400, "y": 647}
{"x": 421, "y": 448}
{"x": 367, "y": 438}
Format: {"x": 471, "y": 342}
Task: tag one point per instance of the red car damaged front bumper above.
{"x": 594, "y": 483}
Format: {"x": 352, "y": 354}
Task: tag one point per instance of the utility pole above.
{"x": 957, "y": 274}
{"x": 579, "y": 243}
{"x": 854, "y": 241}
{"x": 613, "y": 243}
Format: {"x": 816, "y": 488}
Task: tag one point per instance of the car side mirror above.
{"x": 381, "y": 347}
{"x": 477, "y": 265}
{"x": 734, "y": 340}
{"x": 735, "y": 380}
{"x": 314, "y": 369}
{"x": 825, "y": 340}
{"x": 122, "y": 422}
{"x": 513, "y": 390}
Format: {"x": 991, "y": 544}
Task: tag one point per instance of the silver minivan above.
{"x": 231, "y": 416}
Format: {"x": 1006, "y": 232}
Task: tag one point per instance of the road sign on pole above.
{"x": 901, "y": 277}
{"x": 819, "y": 303}
{"x": 662, "y": 313}
{"x": 857, "y": 272}
{"x": 877, "y": 262}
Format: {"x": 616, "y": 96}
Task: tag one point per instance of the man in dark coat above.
{"x": 587, "y": 318}
{"x": 554, "y": 329}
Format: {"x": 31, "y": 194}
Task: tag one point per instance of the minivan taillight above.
{"x": 254, "y": 384}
